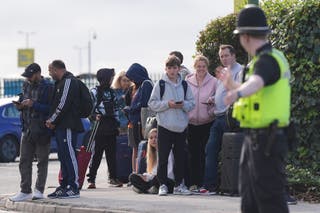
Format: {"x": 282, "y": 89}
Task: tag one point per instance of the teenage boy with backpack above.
{"x": 172, "y": 118}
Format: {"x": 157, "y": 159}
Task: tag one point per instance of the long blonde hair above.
{"x": 116, "y": 83}
{"x": 152, "y": 156}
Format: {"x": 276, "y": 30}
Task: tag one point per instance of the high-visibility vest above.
{"x": 270, "y": 103}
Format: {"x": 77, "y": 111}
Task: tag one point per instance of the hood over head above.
{"x": 104, "y": 76}
{"x": 137, "y": 73}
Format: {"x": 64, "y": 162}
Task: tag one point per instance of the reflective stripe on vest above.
{"x": 270, "y": 103}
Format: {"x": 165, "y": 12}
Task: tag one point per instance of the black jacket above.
{"x": 64, "y": 112}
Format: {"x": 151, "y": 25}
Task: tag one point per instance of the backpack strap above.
{"x": 162, "y": 85}
{"x": 185, "y": 87}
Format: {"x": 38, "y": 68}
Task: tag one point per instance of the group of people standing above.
{"x": 190, "y": 111}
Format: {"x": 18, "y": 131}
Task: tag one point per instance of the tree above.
{"x": 217, "y": 32}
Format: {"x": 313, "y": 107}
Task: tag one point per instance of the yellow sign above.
{"x": 25, "y": 57}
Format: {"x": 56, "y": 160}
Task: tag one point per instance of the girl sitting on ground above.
{"x": 148, "y": 182}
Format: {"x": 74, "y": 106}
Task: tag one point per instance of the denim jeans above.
{"x": 213, "y": 148}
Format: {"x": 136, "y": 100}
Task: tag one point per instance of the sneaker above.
{"x": 70, "y": 193}
{"x": 129, "y": 184}
{"x": 21, "y": 197}
{"x": 58, "y": 192}
{"x": 37, "y": 195}
{"x": 204, "y": 191}
{"x": 181, "y": 190}
{"x": 135, "y": 189}
{"x": 153, "y": 190}
{"x": 115, "y": 182}
{"x": 92, "y": 186}
{"x": 163, "y": 190}
{"x": 194, "y": 188}
{"x": 290, "y": 200}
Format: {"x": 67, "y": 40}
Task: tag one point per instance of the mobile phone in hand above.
{"x": 178, "y": 102}
{"x": 206, "y": 103}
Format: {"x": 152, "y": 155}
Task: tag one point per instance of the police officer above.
{"x": 263, "y": 110}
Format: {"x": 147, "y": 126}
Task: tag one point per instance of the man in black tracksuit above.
{"x": 65, "y": 120}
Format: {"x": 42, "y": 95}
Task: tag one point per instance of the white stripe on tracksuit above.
{"x": 62, "y": 99}
{"x": 72, "y": 156}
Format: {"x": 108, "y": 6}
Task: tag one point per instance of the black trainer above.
{"x": 70, "y": 193}
{"x": 115, "y": 182}
{"x": 58, "y": 192}
{"x": 290, "y": 200}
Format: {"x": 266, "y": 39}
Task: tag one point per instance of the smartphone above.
{"x": 178, "y": 102}
{"x": 206, "y": 103}
{"x": 16, "y": 102}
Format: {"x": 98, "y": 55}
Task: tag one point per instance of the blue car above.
{"x": 10, "y": 131}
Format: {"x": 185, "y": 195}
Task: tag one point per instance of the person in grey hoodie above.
{"x": 172, "y": 117}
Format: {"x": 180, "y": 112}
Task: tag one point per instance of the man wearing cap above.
{"x": 65, "y": 120}
{"x": 34, "y": 105}
{"x": 263, "y": 110}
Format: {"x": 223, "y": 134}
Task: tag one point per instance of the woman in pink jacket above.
{"x": 203, "y": 86}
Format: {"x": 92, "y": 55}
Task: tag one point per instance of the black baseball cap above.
{"x": 31, "y": 69}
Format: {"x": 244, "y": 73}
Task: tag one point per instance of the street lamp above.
{"x": 27, "y": 34}
{"x": 92, "y": 35}
{"x": 79, "y": 49}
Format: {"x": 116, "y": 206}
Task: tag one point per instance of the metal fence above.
{"x": 10, "y": 87}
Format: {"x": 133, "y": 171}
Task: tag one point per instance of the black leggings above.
{"x": 107, "y": 144}
{"x": 138, "y": 182}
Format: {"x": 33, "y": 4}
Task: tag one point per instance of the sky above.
{"x": 127, "y": 31}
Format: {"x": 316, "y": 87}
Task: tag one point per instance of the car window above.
{"x": 11, "y": 112}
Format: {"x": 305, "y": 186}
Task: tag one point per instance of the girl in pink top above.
{"x": 203, "y": 86}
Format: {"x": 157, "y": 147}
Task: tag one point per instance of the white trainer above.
{"x": 21, "y": 197}
{"x": 163, "y": 190}
{"x": 181, "y": 190}
{"x": 37, "y": 195}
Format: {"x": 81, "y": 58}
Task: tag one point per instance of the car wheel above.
{"x": 8, "y": 148}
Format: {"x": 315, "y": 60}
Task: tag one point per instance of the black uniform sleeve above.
{"x": 268, "y": 69}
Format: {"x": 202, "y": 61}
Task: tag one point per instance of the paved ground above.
{"x": 110, "y": 199}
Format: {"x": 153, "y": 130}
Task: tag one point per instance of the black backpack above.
{"x": 86, "y": 104}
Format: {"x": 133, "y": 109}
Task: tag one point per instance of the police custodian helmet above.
{"x": 252, "y": 20}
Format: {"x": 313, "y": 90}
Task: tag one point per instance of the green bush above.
{"x": 217, "y": 32}
{"x": 304, "y": 184}
{"x": 296, "y": 31}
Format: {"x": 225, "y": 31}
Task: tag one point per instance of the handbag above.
{"x": 146, "y": 113}
{"x": 151, "y": 123}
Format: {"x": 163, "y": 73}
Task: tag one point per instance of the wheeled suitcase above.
{"x": 123, "y": 158}
{"x": 230, "y": 159}
{"x": 83, "y": 157}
